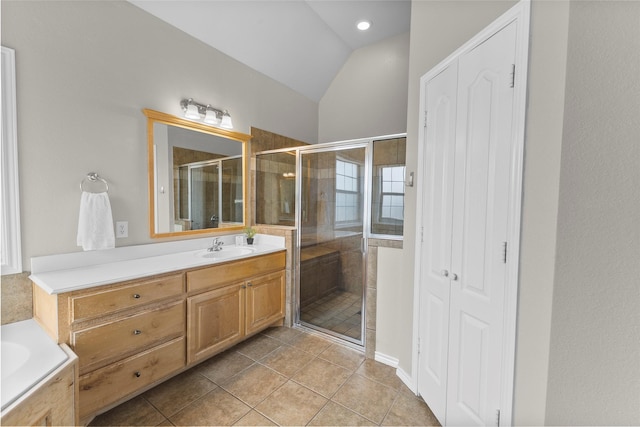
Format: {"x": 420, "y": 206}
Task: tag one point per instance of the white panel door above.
{"x": 480, "y": 224}
{"x": 440, "y": 95}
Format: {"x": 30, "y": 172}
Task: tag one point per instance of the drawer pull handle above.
{"x": 137, "y": 374}
{"x": 137, "y": 332}
{"x": 243, "y": 287}
{"x": 249, "y": 284}
{"x": 136, "y": 296}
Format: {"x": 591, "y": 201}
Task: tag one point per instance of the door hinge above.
{"x": 498, "y": 417}
{"x": 504, "y": 252}
{"x": 421, "y": 234}
{"x": 418, "y": 345}
{"x": 425, "y": 118}
{"x": 513, "y": 75}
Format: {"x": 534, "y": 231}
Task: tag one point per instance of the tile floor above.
{"x": 282, "y": 376}
{"x": 340, "y": 311}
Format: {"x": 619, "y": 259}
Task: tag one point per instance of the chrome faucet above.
{"x": 216, "y": 246}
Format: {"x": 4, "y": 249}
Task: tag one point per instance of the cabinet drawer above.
{"x": 102, "y": 344}
{"x": 220, "y": 275}
{"x": 116, "y": 299}
{"x": 113, "y": 382}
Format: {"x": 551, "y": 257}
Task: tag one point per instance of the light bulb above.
{"x": 363, "y": 25}
{"x": 211, "y": 117}
{"x": 226, "y": 120}
{"x": 192, "y": 111}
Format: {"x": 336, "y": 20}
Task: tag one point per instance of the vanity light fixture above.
{"x": 206, "y": 113}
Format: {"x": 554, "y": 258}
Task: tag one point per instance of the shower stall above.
{"x": 337, "y": 195}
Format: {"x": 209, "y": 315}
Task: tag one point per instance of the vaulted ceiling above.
{"x": 300, "y": 43}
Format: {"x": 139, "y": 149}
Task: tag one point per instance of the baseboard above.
{"x": 387, "y": 360}
{"x": 407, "y": 380}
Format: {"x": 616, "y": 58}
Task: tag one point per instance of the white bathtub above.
{"x": 28, "y": 355}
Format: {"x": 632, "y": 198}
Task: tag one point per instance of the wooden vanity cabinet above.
{"x": 120, "y": 333}
{"x": 229, "y": 311}
{"x": 132, "y": 335}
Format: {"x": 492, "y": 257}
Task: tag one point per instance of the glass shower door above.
{"x": 331, "y": 241}
{"x": 204, "y": 196}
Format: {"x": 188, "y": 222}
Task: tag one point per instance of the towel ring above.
{"x": 93, "y": 177}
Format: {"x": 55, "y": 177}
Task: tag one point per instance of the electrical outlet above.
{"x": 122, "y": 229}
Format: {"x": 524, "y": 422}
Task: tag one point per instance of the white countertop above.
{"x": 69, "y": 272}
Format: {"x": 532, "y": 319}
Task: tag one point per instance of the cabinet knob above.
{"x": 249, "y": 284}
{"x": 243, "y": 287}
{"x": 137, "y": 374}
{"x": 445, "y": 273}
{"x": 136, "y": 296}
{"x": 454, "y": 276}
{"x": 137, "y": 332}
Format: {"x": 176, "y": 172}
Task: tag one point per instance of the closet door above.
{"x": 440, "y": 95}
{"x": 480, "y": 219}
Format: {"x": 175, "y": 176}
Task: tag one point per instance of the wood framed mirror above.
{"x": 197, "y": 177}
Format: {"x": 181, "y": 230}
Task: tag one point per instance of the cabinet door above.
{"x": 480, "y": 224}
{"x": 441, "y": 97}
{"x": 215, "y": 321}
{"x": 265, "y": 301}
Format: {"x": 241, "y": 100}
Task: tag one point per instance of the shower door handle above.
{"x": 362, "y": 246}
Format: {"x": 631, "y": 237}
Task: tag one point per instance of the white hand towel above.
{"x": 95, "y": 223}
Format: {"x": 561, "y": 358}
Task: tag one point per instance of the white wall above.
{"x": 368, "y": 97}
{"x": 594, "y": 362}
{"x": 85, "y": 70}
{"x": 388, "y": 305}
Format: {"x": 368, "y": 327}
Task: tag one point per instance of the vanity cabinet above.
{"x": 229, "y": 311}
{"x": 131, "y": 335}
{"x": 127, "y": 335}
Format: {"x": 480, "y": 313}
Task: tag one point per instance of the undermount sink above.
{"x": 226, "y": 252}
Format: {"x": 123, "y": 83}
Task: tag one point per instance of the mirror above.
{"x": 197, "y": 177}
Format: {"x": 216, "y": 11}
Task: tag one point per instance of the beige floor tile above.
{"x": 178, "y": 392}
{"x": 254, "y": 418}
{"x": 254, "y": 384}
{"x": 135, "y": 412}
{"x": 343, "y": 356}
{"x": 337, "y": 415}
{"x": 410, "y": 410}
{"x": 286, "y": 360}
{"x": 258, "y": 346}
{"x": 224, "y": 366}
{"x": 282, "y": 333}
{"x": 292, "y": 404}
{"x": 322, "y": 377}
{"x": 380, "y": 372}
{"x": 310, "y": 343}
{"x": 217, "y": 408}
{"x": 368, "y": 398}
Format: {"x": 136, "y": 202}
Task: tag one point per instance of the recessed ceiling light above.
{"x": 363, "y": 25}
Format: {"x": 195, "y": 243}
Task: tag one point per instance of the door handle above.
{"x": 454, "y": 277}
{"x": 445, "y": 273}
